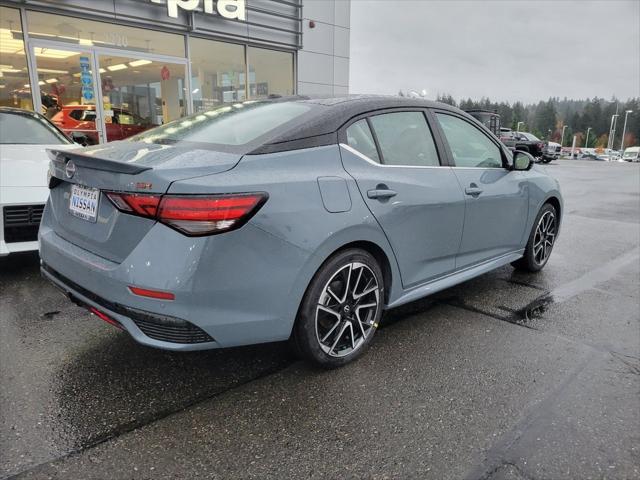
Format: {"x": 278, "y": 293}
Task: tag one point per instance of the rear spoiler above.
{"x": 61, "y": 157}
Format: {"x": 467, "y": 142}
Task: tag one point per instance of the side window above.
{"x": 405, "y": 139}
{"x": 359, "y": 137}
{"x": 469, "y": 146}
{"x": 76, "y": 114}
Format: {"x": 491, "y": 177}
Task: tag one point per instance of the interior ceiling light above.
{"x": 115, "y": 68}
{"x": 51, "y": 70}
{"x": 139, "y": 63}
{"x": 10, "y": 42}
{"x": 51, "y": 80}
{"x": 53, "y": 53}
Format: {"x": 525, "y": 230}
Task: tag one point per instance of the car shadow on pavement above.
{"x": 116, "y": 385}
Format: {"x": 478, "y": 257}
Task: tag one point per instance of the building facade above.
{"x": 104, "y": 70}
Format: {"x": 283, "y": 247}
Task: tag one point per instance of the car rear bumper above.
{"x": 145, "y": 327}
{"x": 236, "y": 288}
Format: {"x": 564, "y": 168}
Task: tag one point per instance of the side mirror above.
{"x": 522, "y": 160}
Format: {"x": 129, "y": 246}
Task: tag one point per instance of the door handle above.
{"x": 474, "y": 191}
{"x": 381, "y": 193}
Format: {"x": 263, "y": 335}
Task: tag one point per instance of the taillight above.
{"x": 144, "y": 205}
{"x": 193, "y": 215}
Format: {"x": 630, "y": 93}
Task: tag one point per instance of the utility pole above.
{"x": 624, "y": 130}
{"x": 586, "y": 141}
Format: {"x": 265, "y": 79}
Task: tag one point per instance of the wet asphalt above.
{"x": 508, "y": 376}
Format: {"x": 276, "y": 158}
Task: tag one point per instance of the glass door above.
{"x": 66, "y": 91}
{"x": 139, "y": 93}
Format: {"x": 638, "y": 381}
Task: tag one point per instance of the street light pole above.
{"x": 586, "y": 142}
{"x": 612, "y": 130}
{"x": 562, "y": 137}
{"x": 624, "y": 130}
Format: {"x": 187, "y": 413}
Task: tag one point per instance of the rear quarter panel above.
{"x": 294, "y": 214}
{"x": 542, "y": 187}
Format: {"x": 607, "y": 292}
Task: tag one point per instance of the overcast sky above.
{"x": 506, "y": 50}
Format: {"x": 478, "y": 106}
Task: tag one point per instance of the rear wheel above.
{"x": 541, "y": 240}
{"x": 340, "y": 310}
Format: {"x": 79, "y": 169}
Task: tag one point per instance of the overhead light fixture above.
{"x": 53, "y": 53}
{"x": 52, "y": 80}
{"x": 139, "y": 63}
{"x": 10, "y": 70}
{"x": 41, "y": 82}
{"x": 115, "y": 68}
{"x": 51, "y": 70}
{"x": 85, "y": 41}
{"x": 9, "y": 43}
{"x": 102, "y": 70}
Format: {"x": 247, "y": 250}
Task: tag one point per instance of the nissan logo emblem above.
{"x": 70, "y": 169}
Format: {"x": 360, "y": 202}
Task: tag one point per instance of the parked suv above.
{"x": 528, "y": 142}
{"x": 79, "y": 122}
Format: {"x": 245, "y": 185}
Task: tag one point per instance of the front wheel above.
{"x": 541, "y": 240}
{"x": 340, "y": 310}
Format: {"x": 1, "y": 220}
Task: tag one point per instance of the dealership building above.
{"x": 107, "y": 69}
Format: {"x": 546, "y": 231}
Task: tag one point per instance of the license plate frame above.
{"x": 84, "y": 202}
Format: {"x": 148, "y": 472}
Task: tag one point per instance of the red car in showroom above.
{"x": 79, "y": 123}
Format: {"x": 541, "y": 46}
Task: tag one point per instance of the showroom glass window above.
{"x": 89, "y": 33}
{"x": 218, "y": 73}
{"x": 270, "y": 72}
{"x": 140, "y": 86}
{"x": 405, "y": 139}
{"x": 15, "y": 90}
{"x": 469, "y": 146}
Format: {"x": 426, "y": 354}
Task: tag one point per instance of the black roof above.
{"x": 319, "y": 127}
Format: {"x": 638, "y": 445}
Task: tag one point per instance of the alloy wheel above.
{"x": 544, "y": 237}
{"x": 347, "y": 309}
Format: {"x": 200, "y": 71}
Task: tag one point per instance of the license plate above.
{"x": 84, "y": 202}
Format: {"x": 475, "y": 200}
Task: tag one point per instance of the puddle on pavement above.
{"x": 534, "y": 310}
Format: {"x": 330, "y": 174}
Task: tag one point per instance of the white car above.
{"x": 631, "y": 154}
{"x": 24, "y": 138}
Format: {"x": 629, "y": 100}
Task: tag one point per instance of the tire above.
{"x": 340, "y": 310}
{"x": 545, "y": 230}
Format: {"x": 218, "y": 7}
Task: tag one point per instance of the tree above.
{"x": 545, "y": 118}
{"x": 602, "y": 141}
{"x": 446, "y": 98}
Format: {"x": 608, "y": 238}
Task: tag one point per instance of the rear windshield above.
{"x": 232, "y": 126}
{"x": 26, "y": 129}
{"x": 529, "y": 136}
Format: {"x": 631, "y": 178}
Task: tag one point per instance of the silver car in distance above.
{"x": 290, "y": 218}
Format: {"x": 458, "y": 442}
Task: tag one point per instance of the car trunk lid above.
{"x": 124, "y": 167}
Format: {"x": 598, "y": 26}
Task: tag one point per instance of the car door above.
{"x": 496, "y": 197}
{"x": 414, "y": 197}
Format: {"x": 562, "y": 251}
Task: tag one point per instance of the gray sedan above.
{"x": 290, "y": 218}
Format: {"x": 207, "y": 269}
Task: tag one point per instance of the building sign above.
{"x": 231, "y": 9}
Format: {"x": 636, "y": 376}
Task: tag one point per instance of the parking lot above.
{"x": 508, "y": 376}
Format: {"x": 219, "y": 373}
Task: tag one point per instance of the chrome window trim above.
{"x": 373, "y": 162}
